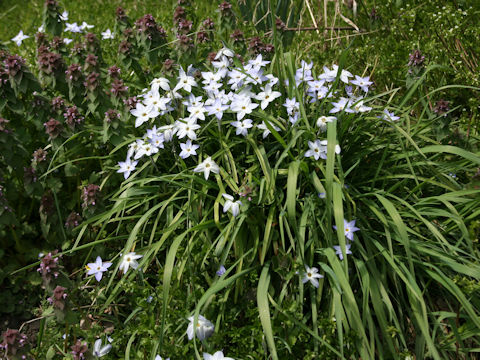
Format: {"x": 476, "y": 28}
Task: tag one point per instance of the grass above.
{"x": 26, "y": 15}
{"x": 403, "y": 260}
{"x": 404, "y": 290}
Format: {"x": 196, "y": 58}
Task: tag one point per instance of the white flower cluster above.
{"x": 97, "y": 268}
{"x": 240, "y": 99}
{"x": 237, "y": 90}
{"x": 73, "y": 28}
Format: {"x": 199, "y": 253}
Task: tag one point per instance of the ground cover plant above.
{"x": 385, "y": 34}
{"x": 203, "y": 190}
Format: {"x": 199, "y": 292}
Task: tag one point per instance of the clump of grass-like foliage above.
{"x": 268, "y": 206}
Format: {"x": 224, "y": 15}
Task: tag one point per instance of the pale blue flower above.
{"x": 338, "y": 250}
{"x": 203, "y": 329}
{"x": 311, "y": 274}
{"x": 349, "y": 228}
{"x": 98, "y": 268}
{"x": 19, "y": 38}
{"x": 99, "y": 351}
{"x": 389, "y": 116}
{"x": 221, "y": 270}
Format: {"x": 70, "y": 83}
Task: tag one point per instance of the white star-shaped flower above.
{"x": 266, "y": 130}
{"x": 196, "y": 112}
{"x": 311, "y": 274}
{"x": 315, "y": 149}
{"x": 217, "y": 356}
{"x": 168, "y": 131}
{"x": 341, "y": 105}
{"x": 258, "y": 63}
{"x": 217, "y": 108}
{"x": 338, "y": 250}
{"x": 224, "y": 52}
{"x": 236, "y": 78}
{"x": 209, "y": 76}
{"x": 86, "y": 26}
{"x": 242, "y": 126}
{"x": 185, "y": 82}
{"x": 129, "y": 260}
{"x": 324, "y": 146}
{"x": 221, "y": 66}
{"x": 158, "y": 357}
{"x": 323, "y": 120}
{"x": 162, "y": 83}
{"x": 267, "y": 96}
{"x": 126, "y": 167}
{"x": 107, "y": 34}
{"x": 19, "y": 38}
{"x": 206, "y": 166}
{"x": 157, "y": 140}
{"x": 292, "y": 106}
{"x": 147, "y": 149}
{"x": 74, "y": 28}
{"x": 143, "y": 113}
{"x": 187, "y": 128}
{"x": 158, "y": 102}
{"x": 315, "y": 85}
{"x": 242, "y": 106}
{"x": 99, "y": 351}
{"x": 389, "y": 116}
{"x": 98, "y": 268}
{"x": 64, "y": 16}
{"x": 188, "y": 149}
{"x": 360, "y": 107}
{"x": 362, "y": 82}
{"x": 349, "y": 228}
{"x": 203, "y": 329}
{"x": 231, "y": 205}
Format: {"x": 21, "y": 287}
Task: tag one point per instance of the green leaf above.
{"x": 50, "y": 353}
{"x": 291, "y": 201}
{"x": 264, "y": 311}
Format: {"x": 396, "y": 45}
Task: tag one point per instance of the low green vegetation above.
{"x": 244, "y": 180}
